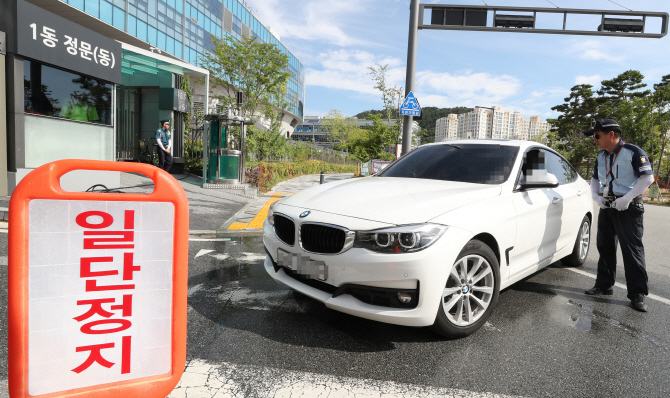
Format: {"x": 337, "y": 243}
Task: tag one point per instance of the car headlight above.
{"x": 271, "y": 214}
{"x": 403, "y": 239}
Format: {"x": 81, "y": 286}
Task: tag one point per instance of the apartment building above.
{"x": 446, "y": 128}
{"x": 494, "y": 122}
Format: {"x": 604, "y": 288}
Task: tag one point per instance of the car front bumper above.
{"x": 425, "y": 271}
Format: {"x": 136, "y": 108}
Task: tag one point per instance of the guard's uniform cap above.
{"x": 164, "y": 122}
{"x": 602, "y": 125}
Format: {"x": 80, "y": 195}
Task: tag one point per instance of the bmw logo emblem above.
{"x": 304, "y": 214}
{"x": 465, "y": 289}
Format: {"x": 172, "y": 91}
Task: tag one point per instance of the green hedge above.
{"x": 265, "y": 175}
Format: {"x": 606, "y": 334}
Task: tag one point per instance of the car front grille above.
{"x": 285, "y": 229}
{"x": 323, "y": 239}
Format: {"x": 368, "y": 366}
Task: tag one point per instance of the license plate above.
{"x": 302, "y": 265}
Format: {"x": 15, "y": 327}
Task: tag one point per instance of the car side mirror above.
{"x": 548, "y": 181}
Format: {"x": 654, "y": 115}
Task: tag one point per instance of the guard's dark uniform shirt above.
{"x": 618, "y": 172}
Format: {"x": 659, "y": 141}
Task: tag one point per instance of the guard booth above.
{"x": 224, "y": 164}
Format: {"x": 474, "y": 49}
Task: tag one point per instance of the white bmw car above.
{"x": 432, "y": 239}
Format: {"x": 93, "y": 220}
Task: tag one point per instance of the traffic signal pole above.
{"x": 411, "y": 69}
{"x": 477, "y": 18}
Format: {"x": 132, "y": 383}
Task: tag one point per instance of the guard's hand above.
{"x": 622, "y": 203}
{"x": 600, "y": 202}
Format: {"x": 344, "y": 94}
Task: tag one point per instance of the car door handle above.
{"x": 556, "y": 201}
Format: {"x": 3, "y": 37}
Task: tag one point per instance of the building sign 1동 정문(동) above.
{"x": 49, "y": 38}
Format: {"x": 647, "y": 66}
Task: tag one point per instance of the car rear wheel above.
{"x": 470, "y": 293}
{"x": 582, "y": 245}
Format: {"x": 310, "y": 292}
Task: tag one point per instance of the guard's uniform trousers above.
{"x": 164, "y": 160}
{"x": 623, "y": 227}
{"x": 617, "y": 173}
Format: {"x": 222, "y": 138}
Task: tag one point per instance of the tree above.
{"x": 391, "y": 97}
{"x": 341, "y": 128}
{"x": 249, "y": 65}
{"x": 257, "y": 69}
{"x": 265, "y": 144}
{"x": 624, "y": 87}
{"x": 662, "y": 102}
{"x": 566, "y": 135}
{"x": 371, "y": 141}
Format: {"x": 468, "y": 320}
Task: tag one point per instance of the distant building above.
{"x": 446, "y": 128}
{"x": 494, "y": 122}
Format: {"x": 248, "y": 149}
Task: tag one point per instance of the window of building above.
{"x": 53, "y": 92}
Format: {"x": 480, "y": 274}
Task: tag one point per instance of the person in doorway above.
{"x": 164, "y": 142}
{"x": 622, "y": 173}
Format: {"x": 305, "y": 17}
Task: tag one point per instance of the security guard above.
{"x": 164, "y": 142}
{"x": 622, "y": 173}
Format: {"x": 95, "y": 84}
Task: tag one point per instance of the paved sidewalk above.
{"x": 252, "y": 216}
{"x": 209, "y": 209}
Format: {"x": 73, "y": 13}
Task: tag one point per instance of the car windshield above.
{"x": 474, "y": 163}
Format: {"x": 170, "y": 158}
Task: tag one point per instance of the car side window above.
{"x": 560, "y": 168}
{"x": 534, "y": 166}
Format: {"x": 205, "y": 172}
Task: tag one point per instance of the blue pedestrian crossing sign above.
{"x": 410, "y": 107}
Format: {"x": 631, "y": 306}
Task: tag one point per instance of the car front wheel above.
{"x": 470, "y": 293}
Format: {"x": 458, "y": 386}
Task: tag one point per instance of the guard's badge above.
{"x": 643, "y": 159}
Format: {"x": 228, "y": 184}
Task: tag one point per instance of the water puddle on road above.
{"x": 591, "y": 317}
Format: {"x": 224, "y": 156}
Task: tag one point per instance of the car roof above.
{"x": 519, "y": 143}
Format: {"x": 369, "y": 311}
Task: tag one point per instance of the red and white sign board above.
{"x": 96, "y": 286}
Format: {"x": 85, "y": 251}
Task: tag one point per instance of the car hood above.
{"x": 391, "y": 200}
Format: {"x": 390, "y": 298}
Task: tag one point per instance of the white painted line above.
{"x": 3, "y": 231}
{"x": 209, "y": 240}
{"x": 202, "y": 252}
{"x": 621, "y": 285}
{"x": 202, "y": 379}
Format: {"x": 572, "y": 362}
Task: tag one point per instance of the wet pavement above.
{"x": 545, "y": 338}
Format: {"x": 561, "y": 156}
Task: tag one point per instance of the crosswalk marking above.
{"x": 202, "y": 379}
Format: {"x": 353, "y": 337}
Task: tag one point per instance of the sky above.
{"x": 337, "y": 40}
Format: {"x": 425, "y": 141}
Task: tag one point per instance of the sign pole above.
{"x": 411, "y": 70}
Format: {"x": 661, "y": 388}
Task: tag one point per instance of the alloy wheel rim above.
{"x": 584, "y": 240}
{"x": 468, "y": 291}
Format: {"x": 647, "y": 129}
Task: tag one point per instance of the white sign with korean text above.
{"x": 52, "y": 39}
{"x": 100, "y": 291}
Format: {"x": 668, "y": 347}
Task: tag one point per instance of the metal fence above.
{"x": 585, "y": 170}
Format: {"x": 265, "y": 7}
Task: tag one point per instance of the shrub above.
{"x": 265, "y": 175}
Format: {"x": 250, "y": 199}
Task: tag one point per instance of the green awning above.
{"x": 133, "y": 62}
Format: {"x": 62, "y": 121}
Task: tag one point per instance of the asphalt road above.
{"x": 545, "y": 338}
{"x": 249, "y": 336}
